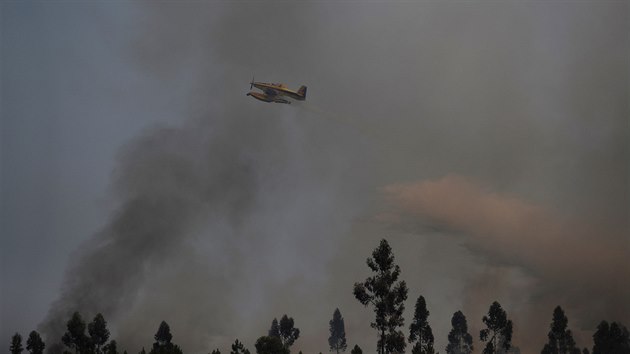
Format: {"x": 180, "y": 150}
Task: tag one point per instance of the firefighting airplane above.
{"x": 274, "y": 92}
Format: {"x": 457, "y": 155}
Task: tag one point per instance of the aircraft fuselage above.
{"x": 266, "y": 98}
{"x": 282, "y": 90}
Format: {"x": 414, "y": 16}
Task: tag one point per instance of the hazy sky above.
{"x": 487, "y": 141}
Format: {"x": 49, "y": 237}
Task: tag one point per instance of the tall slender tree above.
{"x": 498, "y": 330}
{"x": 35, "y": 344}
{"x": 75, "y": 337}
{"x": 611, "y": 339}
{"x": 288, "y": 332}
{"x": 162, "y": 344}
{"x": 216, "y": 351}
{"x": 387, "y": 295}
{"x": 16, "y": 344}
{"x": 99, "y": 334}
{"x": 560, "y": 337}
{"x": 337, "y": 339}
{"x": 274, "y": 331}
{"x": 459, "y": 340}
{"x": 420, "y": 330}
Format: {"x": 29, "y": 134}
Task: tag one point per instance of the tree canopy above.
{"x": 288, "y": 332}
{"x": 75, "y": 337}
{"x": 387, "y": 295}
{"x": 16, "y": 344}
{"x": 560, "y": 337}
{"x": 238, "y": 348}
{"x": 356, "y": 350}
{"x": 420, "y": 330}
{"x": 270, "y": 345}
{"x": 337, "y": 339}
{"x": 611, "y": 339}
{"x": 498, "y": 331}
{"x": 35, "y": 344}
{"x": 162, "y": 344}
{"x": 99, "y": 334}
{"x": 459, "y": 340}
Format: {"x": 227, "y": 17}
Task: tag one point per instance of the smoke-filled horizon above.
{"x": 487, "y": 142}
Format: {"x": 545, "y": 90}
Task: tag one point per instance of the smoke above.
{"x": 558, "y": 259}
{"x": 210, "y": 224}
{"x": 245, "y": 211}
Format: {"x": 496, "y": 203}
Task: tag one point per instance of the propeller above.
{"x": 251, "y": 85}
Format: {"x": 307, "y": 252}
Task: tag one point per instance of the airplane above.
{"x": 274, "y": 92}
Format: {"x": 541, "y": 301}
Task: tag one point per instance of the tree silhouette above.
{"x": 163, "y": 343}
{"x": 288, "y": 333}
{"x": 420, "y": 330}
{"x": 459, "y": 340}
{"x": 498, "y": 331}
{"x": 16, "y": 344}
{"x": 356, "y": 350}
{"x": 274, "y": 331}
{"x": 611, "y": 339}
{"x": 111, "y": 348}
{"x": 337, "y": 339}
{"x": 270, "y": 345}
{"x": 35, "y": 344}
{"x": 387, "y": 296}
{"x": 75, "y": 337}
{"x": 99, "y": 334}
{"x": 163, "y": 336}
{"x": 216, "y": 351}
{"x": 238, "y": 348}
{"x": 560, "y": 337}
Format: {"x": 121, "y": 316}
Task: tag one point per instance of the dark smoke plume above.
{"x": 246, "y": 211}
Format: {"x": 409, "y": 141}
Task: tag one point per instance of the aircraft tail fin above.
{"x": 302, "y": 91}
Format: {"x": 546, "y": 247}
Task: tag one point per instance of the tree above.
{"x": 238, "y": 348}
{"x": 459, "y": 340}
{"x": 356, "y": 350}
{"x": 270, "y": 345}
{"x": 16, "y": 344}
{"x": 163, "y": 343}
{"x": 75, "y": 337}
{"x": 99, "y": 334}
{"x": 498, "y": 331}
{"x": 35, "y": 344}
{"x": 420, "y": 330}
{"x": 274, "y": 331}
{"x": 142, "y": 351}
{"x": 111, "y": 348}
{"x": 163, "y": 336}
{"x": 387, "y": 296}
{"x": 216, "y": 351}
{"x": 560, "y": 338}
{"x": 337, "y": 339}
{"x": 288, "y": 333}
{"x": 611, "y": 339}
{"x": 585, "y": 351}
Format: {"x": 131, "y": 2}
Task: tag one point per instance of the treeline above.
{"x": 386, "y": 295}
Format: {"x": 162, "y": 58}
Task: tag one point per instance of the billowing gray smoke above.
{"x": 203, "y": 208}
{"x": 246, "y": 211}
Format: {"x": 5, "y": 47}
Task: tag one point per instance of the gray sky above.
{"x": 488, "y": 142}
